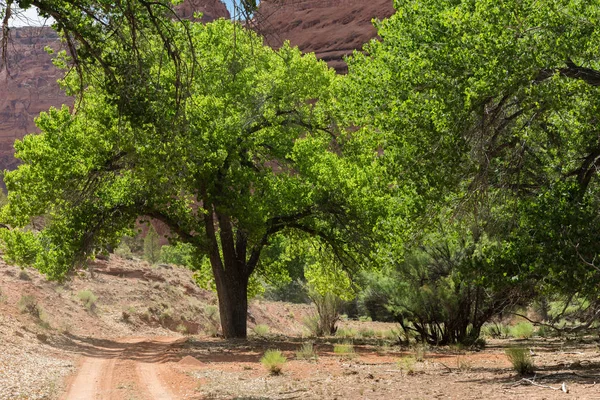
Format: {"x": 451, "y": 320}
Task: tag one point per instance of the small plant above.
{"x": 28, "y": 305}
{"x": 273, "y": 361}
{"x": 24, "y": 276}
{"x": 523, "y": 330}
{"x": 88, "y": 298}
{"x": 366, "y": 332}
{"x": 463, "y": 364}
{"x": 407, "y": 365}
{"x": 365, "y": 318}
{"x": 2, "y": 296}
{"x": 543, "y": 331}
{"x": 520, "y": 359}
{"x": 152, "y": 245}
{"x": 420, "y": 350}
{"x": 214, "y": 321}
{"x": 344, "y": 349}
{"x": 311, "y": 323}
{"x": 496, "y": 330}
{"x": 306, "y": 352}
{"x": 261, "y": 330}
{"x": 124, "y": 251}
{"x": 346, "y": 333}
{"x": 181, "y": 328}
{"x": 383, "y": 349}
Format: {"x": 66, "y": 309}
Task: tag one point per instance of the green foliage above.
{"x": 346, "y": 333}
{"x": 521, "y": 360}
{"x": 328, "y": 312}
{"x": 273, "y": 361}
{"x": 261, "y": 330}
{"x": 178, "y": 254}
{"x": 344, "y": 349}
{"x": 124, "y": 251}
{"x": 226, "y": 146}
{"x": 152, "y": 246}
{"x": 307, "y": 352}
{"x": 523, "y": 330}
{"x": 88, "y": 299}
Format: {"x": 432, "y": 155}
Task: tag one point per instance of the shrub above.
{"x": 496, "y": 330}
{"x": 88, "y": 298}
{"x": 306, "y": 352}
{"x": 28, "y": 305}
{"x": 344, "y": 349}
{"x": 346, "y": 333}
{"x": 214, "y": 321}
{"x": 124, "y": 251}
{"x": 181, "y": 328}
{"x": 179, "y": 254}
{"x": 311, "y": 323}
{"x": 420, "y": 350}
{"x": 152, "y": 246}
{"x": 366, "y": 332}
{"x": 520, "y": 359}
{"x": 328, "y": 310}
{"x": 261, "y": 330}
{"x": 523, "y": 330}
{"x": 24, "y": 276}
{"x": 407, "y": 364}
{"x": 273, "y": 361}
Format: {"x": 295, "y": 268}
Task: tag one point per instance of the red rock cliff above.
{"x": 329, "y": 28}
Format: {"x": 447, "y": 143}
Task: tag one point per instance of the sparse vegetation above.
{"x": 88, "y": 298}
{"x": 407, "y": 365}
{"x": 261, "y": 330}
{"x": 28, "y": 305}
{"x": 151, "y": 245}
{"x": 344, "y": 349}
{"x": 273, "y": 361}
{"x": 124, "y": 251}
{"x": 24, "y": 276}
{"x": 306, "y": 352}
{"x": 520, "y": 359}
{"x": 346, "y": 333}
{"x": 522, "y": 330}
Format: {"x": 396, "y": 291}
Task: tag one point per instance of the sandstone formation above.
{"x": 331, "y": 29}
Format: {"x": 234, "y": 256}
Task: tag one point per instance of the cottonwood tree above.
{"x": 491, "y": 108}
{"x": 251, "y": 153}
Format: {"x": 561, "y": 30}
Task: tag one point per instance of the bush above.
{"x": 28, "y": 305}
{"x": 366, "y": 332}
{"x": 496, "y": 330}
{"x": 520, "y": 359}
{"x": 261, "y": 330}
{"x": 306, "y": 352}
{"x": 152, "y": 246}
{"x": 273, "y": 361}
{"x": 124, "y": 251}
{"x": 346, "y": 333}
{"x": 523, "y": 330}
{"x": 328, "y": 310}
{"x": 179, "y": 254}
{"x": 88, "y": 299}
{"x": 344, "y": 349}
{"x": 24, "y": 276}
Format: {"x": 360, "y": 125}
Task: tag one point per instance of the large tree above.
{"x": 492, "y": 107}
{"x": 250, "y": 153}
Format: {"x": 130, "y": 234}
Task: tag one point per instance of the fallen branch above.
{"x": 563, "y": 387}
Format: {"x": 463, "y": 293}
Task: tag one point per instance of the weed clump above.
{"x": 88, "y": 298}
{"x": 28, "y": 305}
{"x": 344, "y": 349}
{"x": 520, "y": 359}
{"x": 261, "y": 330}
{"x": 523, "y": 330}
{"x": 306, "y": 352}
{"x": 273, "y": 361}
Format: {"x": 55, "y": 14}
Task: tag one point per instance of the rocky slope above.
{"x": 330, "y": 28}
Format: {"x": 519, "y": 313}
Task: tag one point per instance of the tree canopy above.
{"x": 252, "y": 153}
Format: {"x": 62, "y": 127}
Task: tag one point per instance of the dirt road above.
{"x": 124, "y": 369}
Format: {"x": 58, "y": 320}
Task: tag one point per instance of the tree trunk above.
{"x": 233, "y": 305}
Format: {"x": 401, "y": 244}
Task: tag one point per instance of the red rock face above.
{"x": 331, "y": 29}
{"x": 28, "y": 88}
